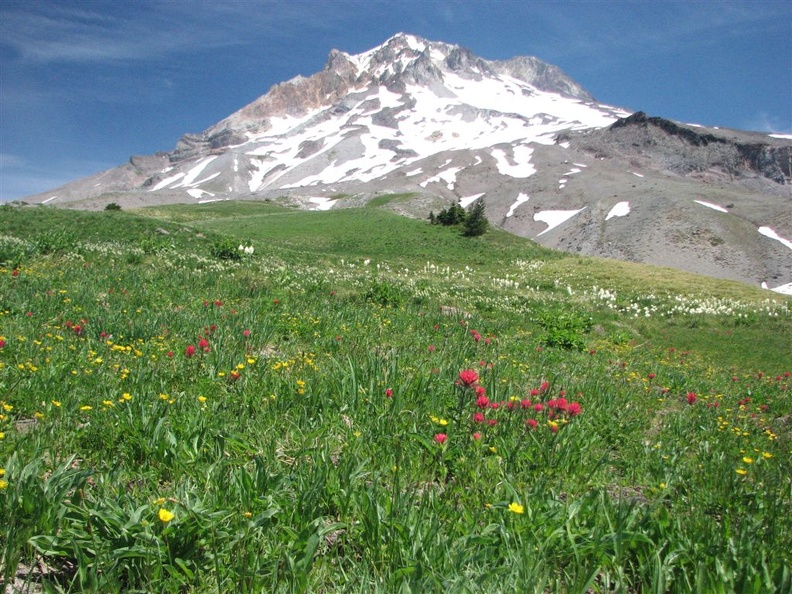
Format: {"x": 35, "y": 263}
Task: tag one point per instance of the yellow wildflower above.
{"x": 741, "y": 471}
{"x": 165, "y": 515}
{"x": 516, "y": 508}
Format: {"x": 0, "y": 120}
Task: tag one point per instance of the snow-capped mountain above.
{"x": 434, "y": 119}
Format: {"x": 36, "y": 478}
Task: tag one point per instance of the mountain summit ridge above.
{"x": 436, "y": 121}
{"x": 402, "y": 59}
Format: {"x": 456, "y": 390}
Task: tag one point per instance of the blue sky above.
{"x": 84, "y": 84}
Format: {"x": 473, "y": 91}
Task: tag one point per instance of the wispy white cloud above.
{"x": 765, "y": 122}
{"x": 72, "y": 34}
{"x": 9, "y": 160}
{"x": 84, "y": 33}
{"x": 604, "y": 32}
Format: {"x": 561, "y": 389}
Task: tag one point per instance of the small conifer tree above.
{"x": 476, "y": 222}
{"x": 453, "y": 215}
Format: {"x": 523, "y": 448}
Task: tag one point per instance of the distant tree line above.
{"x": 473, "y": 222}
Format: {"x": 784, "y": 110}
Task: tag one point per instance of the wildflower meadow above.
{"x": 246, "y": 398}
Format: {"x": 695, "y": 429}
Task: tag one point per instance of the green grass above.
{"x": 386, "y": 199}
{"x": 173, "y": 422}
{"x": 364, "y": 232}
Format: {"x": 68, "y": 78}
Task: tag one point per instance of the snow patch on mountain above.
{"x": 193, "y": 173}
{"x": 322, "y": 203}
{"x": 620, "y": 209}
{"x": 520, "y": 168}
{"x": 784, "y": 289}
{"x": 448, "y": 176}
{"x": 197, "y": 193}
{"x": 520, "y": 199}
{"x": 167, "y": 181}
{"x": 257, "y": 174}
{"x": 554, "y": 218}
{"x": 769, "y": 232}
{"x": 468, "y": 200}
{"x": 711, "y": 205}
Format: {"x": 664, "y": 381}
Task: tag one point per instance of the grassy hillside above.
{"x": 368, "y": 403}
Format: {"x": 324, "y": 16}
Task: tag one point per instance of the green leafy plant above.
{"x": 226, "y": 249}
{"x": 564, "y": 328}
{"x": 384, "y": 293}
{"x": 53, "y": 241}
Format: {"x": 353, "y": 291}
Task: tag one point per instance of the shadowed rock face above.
{"x": 733, "y": 156}
{"x": 436, "y": 120}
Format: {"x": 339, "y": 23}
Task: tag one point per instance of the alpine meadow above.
{"x": 242, "y": 396}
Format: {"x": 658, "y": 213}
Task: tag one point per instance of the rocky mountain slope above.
{"x": 434, "y": 120}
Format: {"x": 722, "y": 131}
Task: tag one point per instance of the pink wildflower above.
{"x": 468, "y": 377}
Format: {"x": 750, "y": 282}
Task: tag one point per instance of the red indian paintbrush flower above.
{"x": 691, "y": 397}
{"x": 440, "y": 438}
{"x": 468, "y": 377}
{"x": 189, "y": 351}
